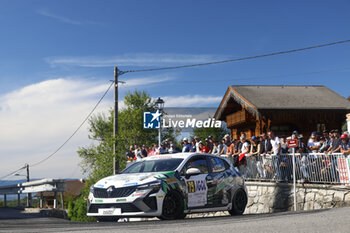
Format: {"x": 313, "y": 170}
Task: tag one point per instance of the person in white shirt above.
{"x": 276, "y": 149}
{"x": 275, "y": 143}
{"x": 197, "y": 139}
{"x": 313, "y": 145}
{"x": 242, "y": 156}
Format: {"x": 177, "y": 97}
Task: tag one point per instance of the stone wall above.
{"x": 265, "y": 197}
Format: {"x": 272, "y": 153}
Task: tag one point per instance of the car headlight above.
{"x": 92, "y": 189}
{"x": 155, "y": 185}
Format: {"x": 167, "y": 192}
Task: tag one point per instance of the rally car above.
{"x": 169, "y": 186}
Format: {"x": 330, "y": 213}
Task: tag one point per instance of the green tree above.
{"x": 97, "y": 159}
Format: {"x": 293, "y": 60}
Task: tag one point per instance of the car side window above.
{"x": 196, "y": 162}
{"x": 217, "y": 164}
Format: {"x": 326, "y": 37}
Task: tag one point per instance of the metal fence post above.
{"x": 18, "y": 200}
{"x": 41, "y": 200}
{"x": 294, "y": 182}
{"x": 55, "y": 200}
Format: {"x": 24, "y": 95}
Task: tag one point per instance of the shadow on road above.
{"x": 12, "y": 213}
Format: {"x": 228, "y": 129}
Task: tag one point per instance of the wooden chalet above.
{"x": 257, "y": 109}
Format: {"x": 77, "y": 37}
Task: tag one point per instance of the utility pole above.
{"x": 115, "y": 123}
{"x": 29, "y": 195}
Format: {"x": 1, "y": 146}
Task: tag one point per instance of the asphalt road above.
{"x": 333, "y": 220}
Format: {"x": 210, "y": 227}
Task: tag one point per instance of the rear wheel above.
{"x": 239, "y": 202}
{"x": 107, "y": 219}
{"x": 173, "y": 207}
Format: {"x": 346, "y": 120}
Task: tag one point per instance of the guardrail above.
{"x": 310, "y": 168}
{"x": 38, "y": 186}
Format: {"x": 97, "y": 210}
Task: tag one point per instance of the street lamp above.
{"x": 160, "y": 107}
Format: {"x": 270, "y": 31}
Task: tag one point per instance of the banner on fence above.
{"x": 343, "y": 169}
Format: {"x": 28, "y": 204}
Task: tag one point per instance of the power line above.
{"x": 88, "y": 116}
{"x": 237, "y": 59}
{"x": 12, "y": 173}
{"x": 198, "y": 82}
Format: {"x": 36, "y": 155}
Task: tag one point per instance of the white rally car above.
{"x": 169, "y": 186}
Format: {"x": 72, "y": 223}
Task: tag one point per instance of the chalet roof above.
{"x": 256, "y": 98}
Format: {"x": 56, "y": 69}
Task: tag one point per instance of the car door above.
{"x": 196, "y": 185}
{"x": 219, "y": 192}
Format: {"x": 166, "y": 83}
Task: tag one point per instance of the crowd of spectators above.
{"x": 265, "y": 155}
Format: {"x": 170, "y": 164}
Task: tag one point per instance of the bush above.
{"x": 77, "y": 208}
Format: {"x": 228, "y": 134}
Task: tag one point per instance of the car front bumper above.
{"x": 140, "y": 203}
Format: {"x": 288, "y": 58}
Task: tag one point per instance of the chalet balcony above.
{"x": 237, "y": 118}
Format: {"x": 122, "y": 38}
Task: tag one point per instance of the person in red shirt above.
{"x": 203, "y": 148}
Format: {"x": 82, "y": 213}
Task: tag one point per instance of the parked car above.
{"x": 169, "y": 186}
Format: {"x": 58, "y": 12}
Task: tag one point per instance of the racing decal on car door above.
{"x": 197, "y": 191}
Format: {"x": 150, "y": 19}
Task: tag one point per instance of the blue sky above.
{"x": 56, "y": 58}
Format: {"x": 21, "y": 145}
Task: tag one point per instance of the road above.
{"x": 333, "y": 220}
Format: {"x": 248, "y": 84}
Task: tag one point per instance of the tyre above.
{"x": 173, "y": 207}
{"x": 239, "y": 202}
{"x": 107, "y": 219}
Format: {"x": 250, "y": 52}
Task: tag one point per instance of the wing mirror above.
{"x": 192, "y": 172}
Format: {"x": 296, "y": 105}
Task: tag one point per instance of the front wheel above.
{"x": 173, "y": 207}
{"x": 239, "y": 202}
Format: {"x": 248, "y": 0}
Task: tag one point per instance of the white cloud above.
{"x": 64, "y": 19}
{"x": 35, "y": 120}
{"x": 137, "y": 59}
{"x": 191, "y": 100}
{"x": 58, "y": 17}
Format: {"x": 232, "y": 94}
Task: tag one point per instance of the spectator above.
{"x": 326, "y": 140}
{"x": 323, "y": 143}
{"x": 156, "y": 149}
{"x": 265, "y": 144}
{"x": 230, "y": 148}
{"x": 252, "y": 155}
{"x": 196, "y": 138}
{"x": 144, "y": 151}
{"x": 151, "y": 151}
{"x": 275, "y": 150}
{"x": 224, "y": 147}
{"x": 162, "y": 149}
{"x": 130, "y": 154}
{"x": 193, "y": 146}
{"x": 284, "y": 145}
{"x": 345, "y": 144}
{"x": 313, "y": 145}
{"x": 203, "y": 148}
{"x": 301, "y": 147}
{"x": 186, "y": 145}
{"x": 137, "y": 151}
{"x": 265, "y": 147}
{"x": 335, "y": 142}
{"x": 174, "y": 149}
{"x": 334, "y": 147}
{"x": 275, "y": 143}
{"x": 210, "y": 144}
{"x": 217, "y": 147}
{"x": 167, "y": 143}
{"x": 254, "y": 147}
{"x": 226, "y": 141}
{"x": 240, "y": 160}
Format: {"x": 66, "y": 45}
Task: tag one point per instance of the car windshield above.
{"x": 159, "y": 165}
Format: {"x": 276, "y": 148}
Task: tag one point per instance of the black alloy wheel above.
{"x": 173, "y": 207}
{"x": 239, "y": 202}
